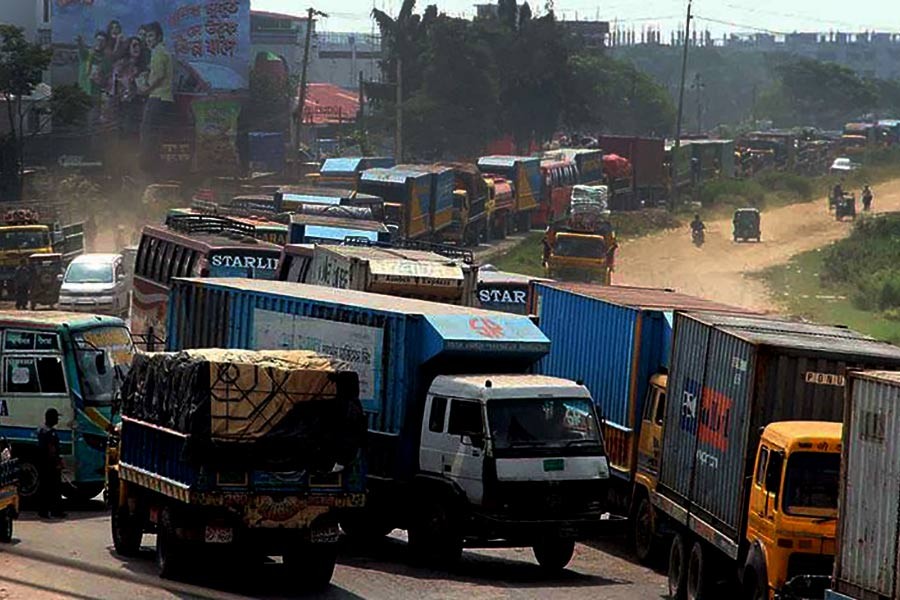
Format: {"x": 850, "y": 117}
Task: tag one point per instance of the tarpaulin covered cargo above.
{"x": 732, "y": 375}
{"x": 867, "y": 561}
{"x": 614, "y": 338}
{"x": 396, "y": 345}
{"x": 292, "y": 408}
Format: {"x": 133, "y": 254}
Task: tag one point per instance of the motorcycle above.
{"x": 698, "y": 237}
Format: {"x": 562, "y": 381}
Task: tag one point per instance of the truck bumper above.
{"x": 494, "y": 530}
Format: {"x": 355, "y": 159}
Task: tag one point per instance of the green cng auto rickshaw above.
{"x": 48, "y": 273}
{"x": 746, "y": 224}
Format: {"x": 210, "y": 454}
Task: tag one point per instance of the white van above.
{"x": 96, "y": 283}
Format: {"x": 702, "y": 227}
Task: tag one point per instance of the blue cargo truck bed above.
{"x": 613, "y": 338}
{"x": 396, "y": 345}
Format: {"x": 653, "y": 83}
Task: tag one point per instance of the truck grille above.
{"x": 557, "y": 500}
{"x": 802, "y": 563}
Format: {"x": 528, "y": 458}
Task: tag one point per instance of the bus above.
{"x": 73, "y": 362}
{"x": 192, "y": 248}
{"x": 261, "y": 228}
{"x": 557, "y": 178}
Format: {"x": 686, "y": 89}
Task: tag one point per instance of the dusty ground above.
{"x": 719, "y": 270}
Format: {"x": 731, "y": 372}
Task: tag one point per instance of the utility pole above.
{"x": 684, "y": 57}
{"x": 699, "y": 86}
{"x": 398, "y": 139}
{"x": 311, "y": 13}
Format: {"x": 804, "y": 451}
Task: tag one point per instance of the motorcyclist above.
{"x": 697, "y": 227}
{"x": 867, "y": 198}
{"x": 837, "y": 193}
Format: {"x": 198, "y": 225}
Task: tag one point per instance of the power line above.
{"x": 740, "y": 25}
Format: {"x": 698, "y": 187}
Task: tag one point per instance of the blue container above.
{"x": 266, "y": 151}
{"x": 351, "y": 166}
{"x": 396, "y": 345}
{"x": 523, "y": 171}
{"x": 613, "y": 338}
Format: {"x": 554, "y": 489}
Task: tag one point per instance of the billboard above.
{"x": 208, "y": 39}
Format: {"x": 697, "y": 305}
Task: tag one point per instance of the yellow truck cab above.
{"x": 793, "y": 505}
{"x": 580, "y": 255}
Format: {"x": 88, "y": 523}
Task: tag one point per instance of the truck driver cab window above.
{"x": 660, "y": 408}
{"x": 465, "y": 418}
{"x": 761, "y": 466}
{"x": 436, "y": 419}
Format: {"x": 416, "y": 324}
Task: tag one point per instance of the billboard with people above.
{"x": 143, "y": 61}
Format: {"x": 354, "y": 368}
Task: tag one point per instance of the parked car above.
{"x": 843, "y": 165}
{"x": 96, "y": 283}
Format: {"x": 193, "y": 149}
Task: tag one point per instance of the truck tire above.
{"x": 29, "y": 479}
{"x": 698, "y": 572}
{"x": 647, "y": 545}
{"x": 6, "y": 526}
{"x": 127, "y": 531}
{"x": 433, "y": 534}
{"x": 169, "y": 551}
{"x": 554, "y": 554}
{"x": 677, "y": 570}
{"x": 753, "y": 586}
{"x": 314, "y": 563}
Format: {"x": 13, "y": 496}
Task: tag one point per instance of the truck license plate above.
{"x": 219, "y": 535}
{"x": 554, "y": 464}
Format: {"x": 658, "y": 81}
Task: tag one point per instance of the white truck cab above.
{"x": 522, "y": 457}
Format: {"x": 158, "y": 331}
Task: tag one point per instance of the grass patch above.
{"x": 806, "y": 288}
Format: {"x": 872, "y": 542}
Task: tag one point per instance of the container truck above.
{"x": 589, "y": 163}
{"x": 236, "y": 452}
{"x": 407, "y": 199}
{"x": 744, "y": 472}
{"x": 500, "y": 207}
{"x": 524, "y": 173}
{"x": 443, "y": 183}
{"x": 867, "y": 563}
{"x": 648, "y": 176}
{"x": 325, "y": 229}
{"x": 382, "y": 270}
{"x": 470, "y": 197}
{"x": 464, "y": 449}
{"x": 343, "y": 172}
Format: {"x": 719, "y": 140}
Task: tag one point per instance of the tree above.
{"x": 22, "y": 65}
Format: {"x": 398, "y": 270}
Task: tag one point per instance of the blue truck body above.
{"x": 408, "y": 192}
{"x": 396, "y": 345}
{"x": 613, "y": 338}
{"x": 525, "y": 174}
{"x": 443, "y": 181}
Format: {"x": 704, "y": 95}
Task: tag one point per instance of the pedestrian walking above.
{"x": 867, "y": 197}
{"x": 50, "y": 467}
{"x": 22, "y": 280}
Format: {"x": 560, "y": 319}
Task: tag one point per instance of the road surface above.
{"x": 74, "y": 558}
{"x": 720, "y": 269}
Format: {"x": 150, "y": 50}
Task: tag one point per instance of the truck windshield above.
{"x": 542, "y": 422}
{"x": 811, "y": 483}
{"x": 24, "y": 239}
{"x": 580, "y": 247}
{"x": 111, "y": 346}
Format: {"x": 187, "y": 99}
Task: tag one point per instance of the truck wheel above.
{"x": 168, "y": 547}
{"x": 6, "y": 526}
{"x": 554, "y": 554}
{"x": 314, "y": 563}
{"x": 677, "y": 572}
{"x": 127, "y": 531}
{"x": 646, "y": 542}
{"x": 29, "y": 479}
{"x": 698, "y": 573}
{"x": 433, "y": 536}
{"x": 753, "y": 587}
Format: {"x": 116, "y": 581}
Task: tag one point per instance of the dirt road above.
{"x": 720, "y": 269}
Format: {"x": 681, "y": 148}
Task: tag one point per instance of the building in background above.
{"x": 31, "y": 15}
{"x": 593, "y": 34}
{"x": 341, "y": 57}
{"x": 282, "y": 35}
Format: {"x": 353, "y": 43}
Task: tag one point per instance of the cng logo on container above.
{"x": 824, "y": 379}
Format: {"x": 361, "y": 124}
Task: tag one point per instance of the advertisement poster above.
{"x": 359, "y": 345}
{"x": 133, "y": 57}
{"x": 216, "y": 126}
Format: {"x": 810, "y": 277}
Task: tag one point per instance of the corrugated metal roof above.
{"x": 892, "y": 377}
{"x": 503, "y": 161}
{"x": 376, "y": 253}
{"x": 794, "y": 335}
{"x": 391, "y": 304}
{"x": 647, "y": 298}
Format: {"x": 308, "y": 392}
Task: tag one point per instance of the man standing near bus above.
{"x": 50, "y": 467}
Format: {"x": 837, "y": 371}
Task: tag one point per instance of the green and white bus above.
{"x": 71, "y": 362}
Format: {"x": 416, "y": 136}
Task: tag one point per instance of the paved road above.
{"x": 74, "y": 559}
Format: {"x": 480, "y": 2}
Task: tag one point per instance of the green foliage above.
{"x": 797, "y": 185}
{"x": 69, "y": 105}
{"x": 733, "y": 192}
{"x": 612, "y": 95}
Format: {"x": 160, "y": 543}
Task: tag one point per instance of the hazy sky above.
{"x": 726, "y": 15}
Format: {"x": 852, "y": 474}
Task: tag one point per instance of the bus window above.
{"x": 193, "y": 259}
{"x": 34, "y": 375}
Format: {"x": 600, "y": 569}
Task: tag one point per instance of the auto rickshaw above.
{"x": 9, "y": 498}
{"x": 48, "y": 274}
{"x": 846, "y": 207}
{"x": 746, "y": 224}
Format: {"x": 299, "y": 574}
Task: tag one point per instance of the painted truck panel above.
{"x": 730, "y": 376}
{"x": 523, "y": 171}
{"x": 409, "y": 189}
{"x": 614, "y": 338}
{"x": 396, "y": 345}
{"x": 869, "y": 525}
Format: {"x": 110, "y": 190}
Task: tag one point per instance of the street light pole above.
{"x": 311, "y": 13}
